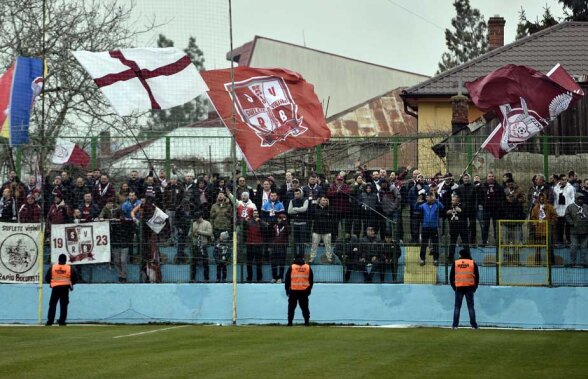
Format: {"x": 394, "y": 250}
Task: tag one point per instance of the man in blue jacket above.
{"x": 431, "y": 211}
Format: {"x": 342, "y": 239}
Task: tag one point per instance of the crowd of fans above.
{"x": 358, "y": 217}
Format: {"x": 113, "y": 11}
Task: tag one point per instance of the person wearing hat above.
{"x": 61, "y": 278}
{"x": 577, "y": 218}
{"x": 59, "y": 212}
{"x": 464, "y": 278}
{"x": 298, "y": 284}
{"x": 30, "y": 211}
{"x": 222, "y": 256}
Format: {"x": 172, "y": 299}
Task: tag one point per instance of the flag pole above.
{"x": 234, "y": 164}
{"x": 472, "y": 160}
{"x": 138, "y": 143}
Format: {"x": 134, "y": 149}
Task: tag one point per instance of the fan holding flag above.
{"x": 525, "y": 100}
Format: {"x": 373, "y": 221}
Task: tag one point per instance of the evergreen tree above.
{"x": 163, "y": 121}
{"x": 526, "y": 27}
{"x": 575, "y": 10}
{"x": 468, "y": 40}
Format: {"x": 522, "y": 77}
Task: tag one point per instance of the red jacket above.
{"x": 58, "y": 214}
{"x": 29, "y": 213}
{"x": 339, "y": 198}
{"x": 254, "y": 232}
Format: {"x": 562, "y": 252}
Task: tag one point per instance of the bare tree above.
{"x": 72, "y": 103}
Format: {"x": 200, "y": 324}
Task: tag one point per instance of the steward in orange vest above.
{"x": 464, "y": 279}
{"x": 61, "y": 278}
{"x": 299, "y": 281}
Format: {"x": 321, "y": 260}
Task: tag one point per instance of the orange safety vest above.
{"x": 299, "y": 279}
{"x": 464, "y": 273}
{"x": 60, "y": 275}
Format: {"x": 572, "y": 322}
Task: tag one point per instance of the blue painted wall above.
{"x": 374, "y": 304}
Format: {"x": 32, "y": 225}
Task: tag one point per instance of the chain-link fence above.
{"x": 368, "y": 229}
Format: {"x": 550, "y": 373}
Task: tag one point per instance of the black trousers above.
{"x": 432, "y": 235}
{"x": 278, "y": 260}
{"x": 255, "y": 256}
{"x": 58, "y": 294}
{"x": 456, "y": 231}
{"x": 200, "y": 257}
{"x": 221, "y": 271}
{"x": 471, "y": 226}
{"x": 298, "y": 297}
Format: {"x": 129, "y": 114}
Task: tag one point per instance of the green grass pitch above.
{"x": 196, "y": 351}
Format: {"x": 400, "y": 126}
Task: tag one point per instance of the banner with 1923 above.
{"x": 86, "y": 243}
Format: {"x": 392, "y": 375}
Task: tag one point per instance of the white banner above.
{"x": 85, "y": 243}
{"x": 20, "y": 252}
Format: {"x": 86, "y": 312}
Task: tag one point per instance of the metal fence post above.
{"x": 545, "y": 156}
{"x": 319, "y": 159}
{"x": 18, "y": 163}
{"x": 550, "y": 255}
{"x": 395, "y": 154}
{"x": 243, "y": 168}
{"x": 93, "y": 152}
{"x": 469, "y": 152}
{"x": 167, "y": 156}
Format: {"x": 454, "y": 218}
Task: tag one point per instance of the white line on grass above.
{"x": 151, "y": 331}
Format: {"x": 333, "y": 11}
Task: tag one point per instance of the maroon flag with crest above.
{"x": 524, "y": 99}
{"x": 276, "y": 111}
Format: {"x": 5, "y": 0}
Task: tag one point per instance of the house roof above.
{"x": 565, "y": 43}
{"x": 242, "y": 54}
{"x": 380, "y": 116}
{"x": 339, "y": 82}
{"x": 187, "y": 143}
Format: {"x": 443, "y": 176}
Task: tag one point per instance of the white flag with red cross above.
{"x": 140, "y": 79}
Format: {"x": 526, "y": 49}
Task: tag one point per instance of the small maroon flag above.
{"x": 276, "y": 110}
{"x": 525, "y": 101}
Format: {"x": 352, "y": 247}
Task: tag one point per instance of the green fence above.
{"x": 206, "y": 152}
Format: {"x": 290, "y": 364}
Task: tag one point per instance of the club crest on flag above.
{"x": 157, "y": 222}
{"x": 520, "y": 124}
{"x": 79, "y": 242}
{"x": 525, "y": 101}
{"x": 266, "y": 106}
{"x": 61, "y": 153}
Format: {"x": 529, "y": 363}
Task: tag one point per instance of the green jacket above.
{"x": 221, "y": 215}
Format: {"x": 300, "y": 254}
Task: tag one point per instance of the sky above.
{"x": 403, "y": 34}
